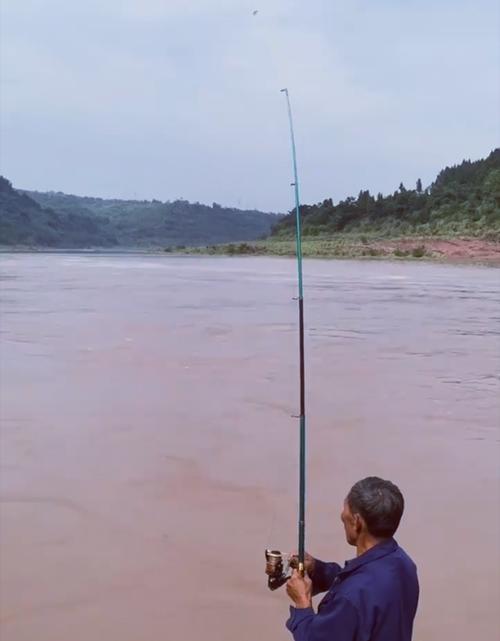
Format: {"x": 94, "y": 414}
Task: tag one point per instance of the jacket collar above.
{"x": 376, "y": 552}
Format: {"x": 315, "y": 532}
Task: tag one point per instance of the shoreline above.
{"x": 465, "y": 250}
{"x": 441, "y": 250}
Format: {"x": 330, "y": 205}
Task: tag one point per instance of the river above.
{"x": 149, "y": 453}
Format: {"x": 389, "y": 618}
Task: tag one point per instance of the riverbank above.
{"x": 446, "y": 250}
{"x": 468, "y": 250}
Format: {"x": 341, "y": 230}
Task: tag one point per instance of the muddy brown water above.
{"x": 149, "y": 455}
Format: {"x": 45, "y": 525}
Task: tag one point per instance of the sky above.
{"x": 172, "y": 99}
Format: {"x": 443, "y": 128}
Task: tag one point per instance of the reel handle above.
{"x": 274, "y": 584}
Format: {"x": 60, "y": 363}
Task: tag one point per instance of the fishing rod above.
{"x": 277, "y": 565}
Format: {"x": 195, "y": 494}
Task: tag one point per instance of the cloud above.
{"x": 163, "y": 98}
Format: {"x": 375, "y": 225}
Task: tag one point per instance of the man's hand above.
{"x": 299, "y": 589}
{"x": 309, "y": 562}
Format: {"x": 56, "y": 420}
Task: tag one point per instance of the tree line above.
{"x": 463, "y": 200}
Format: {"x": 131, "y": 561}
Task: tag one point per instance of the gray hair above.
{"x": 380, "y": 504}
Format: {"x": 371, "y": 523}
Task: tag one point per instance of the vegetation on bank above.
{"x": 344, "y": 247}
{"x": 351, "y": 246}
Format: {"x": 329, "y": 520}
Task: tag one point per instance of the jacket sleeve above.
{"x": 337, "y": 621}
{"x": 323, "y": 575}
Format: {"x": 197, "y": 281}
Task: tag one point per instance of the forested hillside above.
{"x": 23, "y": 222}
{"x": 54, "y": 219}
{"x": 463, "y": 200}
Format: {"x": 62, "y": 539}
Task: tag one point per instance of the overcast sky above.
{"x": 180, "y": 98}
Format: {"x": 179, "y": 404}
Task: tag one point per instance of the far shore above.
{"x": 448, "y": 250}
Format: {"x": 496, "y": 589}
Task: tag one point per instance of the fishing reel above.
{"x": 277, "y": 568}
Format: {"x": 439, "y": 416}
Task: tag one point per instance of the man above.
{"x": 374, "y": 596}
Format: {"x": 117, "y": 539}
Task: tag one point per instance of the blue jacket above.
{"x": 373, "y": 598}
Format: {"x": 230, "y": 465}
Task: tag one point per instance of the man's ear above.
{"x": 359, "y": 523}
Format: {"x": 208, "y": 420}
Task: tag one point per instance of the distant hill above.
{"x": 156, "y": 224}
{"x": 54, "y": 219}
{"x": 23, "y": 222}
{"x": 463, "y": 200}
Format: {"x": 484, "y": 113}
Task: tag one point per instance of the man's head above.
{"x": 373, "y": 507}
